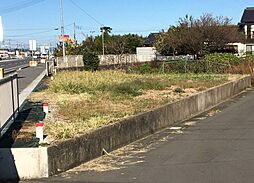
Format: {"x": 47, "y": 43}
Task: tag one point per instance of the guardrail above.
{"x": 9, "y": 101}
{"x": 49, "y": 68}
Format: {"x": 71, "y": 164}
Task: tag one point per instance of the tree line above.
{"x": 195, "y": 36}
{"x": 199, "y": 36}
{"x": 114, "y": 44}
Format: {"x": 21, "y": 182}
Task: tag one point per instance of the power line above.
{"x": 30, "y": 34}
{"x": 32, "y": 28}
{"x": 85, "y": 27}
{"x": 138, "y": 31}
{"x": 24, "y": 29}
{"x": 19, "y": 6}
{"x": 84, "y": 11}
{"x": 124, "y": 31}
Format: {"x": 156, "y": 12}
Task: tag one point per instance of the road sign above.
{"x": 66, "y": 38}
{"x": 32, "y": 45}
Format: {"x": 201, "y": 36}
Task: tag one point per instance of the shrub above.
{"x": 225, "y": 58}
{"x": 179, "y": 90}
{"x": 246, "y": 67}
{"x": 91, "y": 61}
{"x": 145, "y": 69}
{"x": 195, "y": 66}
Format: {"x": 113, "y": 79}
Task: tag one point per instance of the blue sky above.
{"x": 124, "y": 16}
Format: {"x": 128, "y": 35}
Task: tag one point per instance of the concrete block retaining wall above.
{"x": 71, "y": 61}
{"x": 72, "y": 152}
{"x": 23, "y": 163}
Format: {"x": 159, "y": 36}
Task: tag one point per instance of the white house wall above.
{"x": 252, "y": 31}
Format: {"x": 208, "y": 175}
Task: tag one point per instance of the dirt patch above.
{"x": 169, "y": 92}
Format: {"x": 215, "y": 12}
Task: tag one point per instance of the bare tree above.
{"x": 199, "y": 36}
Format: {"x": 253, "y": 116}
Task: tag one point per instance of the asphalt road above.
{"x": 28, "y": 75}
{"x": 13, "y": 64}
{"x": 215, "y": 147}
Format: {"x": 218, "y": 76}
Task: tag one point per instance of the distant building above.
{"x": 151, "y": 40}
{"x": 4, "y": 54}
{"x": 146, "y": 54}
{"x": 247, "y": 26}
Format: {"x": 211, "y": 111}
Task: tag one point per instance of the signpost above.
{"x": 66, "y": 38}
{"x": 32, "y": 47}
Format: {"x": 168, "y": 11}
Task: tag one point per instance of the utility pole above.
{"x": 62, "y": 28}
{"x": 9, "y": 44}
{"x": 103, "y": 30}
{"x": 103, "y": 47}
{"x": 74, "y": 32}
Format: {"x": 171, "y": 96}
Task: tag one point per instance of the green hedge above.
{"x": 193, "y": 66}
{"x": 225, "y": 58}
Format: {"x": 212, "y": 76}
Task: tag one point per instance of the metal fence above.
{"x": 177, "y": 57}
{"x": 192, "y": 66}
{"x": 9, "y": 101}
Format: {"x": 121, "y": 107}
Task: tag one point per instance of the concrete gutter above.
{"x": 33, "y": 163}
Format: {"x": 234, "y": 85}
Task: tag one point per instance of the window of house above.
{"x": 248, "y": 48}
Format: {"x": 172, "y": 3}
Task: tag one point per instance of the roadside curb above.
{"x": 47, "y": 161}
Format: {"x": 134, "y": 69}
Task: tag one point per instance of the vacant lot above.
{"x": 81, "y": 101}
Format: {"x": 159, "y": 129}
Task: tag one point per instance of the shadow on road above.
{"x": 8, "y": 170}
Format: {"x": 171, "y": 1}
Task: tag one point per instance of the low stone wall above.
{"x": 70, "y": 61}
{"x": 74, "y": 61}
{"x": 72, "y": 152}
{"x": 125, "y": 59}
{"x": 117, "y": 59}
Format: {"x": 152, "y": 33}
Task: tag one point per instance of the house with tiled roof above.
{"x": 247, "y": 26}
{"x": 151, "y": 40}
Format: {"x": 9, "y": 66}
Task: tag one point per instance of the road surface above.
{"x": 14, "y": 64}
{"x": 217, "y": 147}
{"x": 28, "y": 75}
